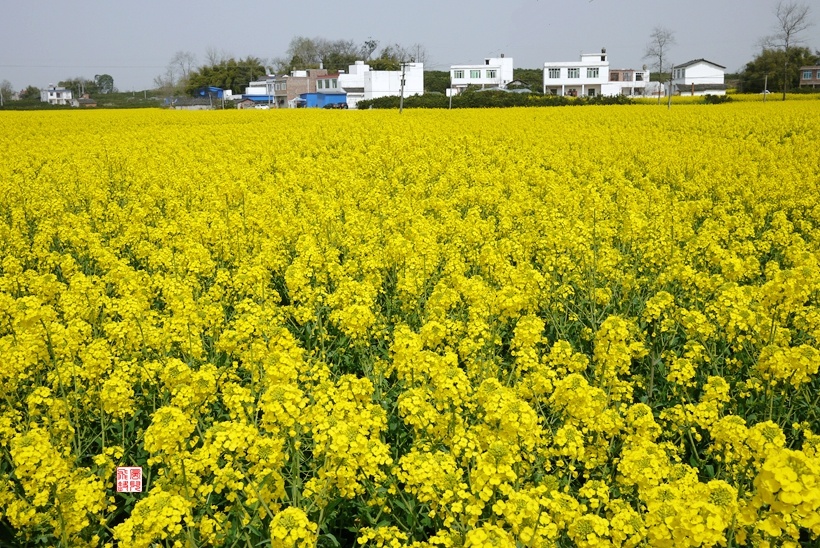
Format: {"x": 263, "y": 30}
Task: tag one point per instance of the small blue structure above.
{"x": 321, "y": 100}
{"x": 210, "y": 91}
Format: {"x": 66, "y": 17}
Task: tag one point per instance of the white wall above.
{"x": 699, "y": 73}
{"x": 583, "y": 83}
{"x": 362, "y": 83}
{"x": 503, "y": 67}
{"x": 56, "y": 96}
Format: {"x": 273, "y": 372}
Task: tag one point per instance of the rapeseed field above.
{"x": 530, "y": 327}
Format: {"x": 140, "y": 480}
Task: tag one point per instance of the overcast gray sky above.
{"x": 133, "y": 41}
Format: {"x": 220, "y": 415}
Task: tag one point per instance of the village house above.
{"x": 359, "y": 82}
{"x": 592, "y": 76}
{"x": 284, "y": 90}
{"x": 495, "y": 72}
{"x": 56, "y": 96}
{"x": 810, "y": 76}
{"x": 698, "y": 77}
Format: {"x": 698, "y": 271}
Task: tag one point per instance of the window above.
{"x": 334, "y": 83}
{"x": 491, "y": 73}
{"x": 639, "y": 76}
{"x": 591, "y": 92}
{"x": 554, "y": 91}
{"x": 555, "y": 73}
{"x": 818, "y": 74}
{"x": 574, "y": 73}
{"x": 627, "y": 76}
{"x": 614, "y": 76}
{"x": 592, "y": 72}
{"x": 806, "y": 75}
{"x": 475, "y": 74}
{"x": 320, "y": 84}
{"x": 458, "y": 74}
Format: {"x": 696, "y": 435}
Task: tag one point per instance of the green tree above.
{"x": 436, "y": 81}
{"x": 105, "y": 83}
{"x": 230, "y": 74}
{"x": 80, "y": 85}
{"x": 31, "y": 93}
{"x": 768, "y": 65}
{"x": 533, "y": 78}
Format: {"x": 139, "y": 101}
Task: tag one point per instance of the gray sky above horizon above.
{"x": 134, "y": 41}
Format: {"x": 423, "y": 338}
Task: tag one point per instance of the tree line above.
{"x": 184, "y": 74}
{"x": 777, "y": 65}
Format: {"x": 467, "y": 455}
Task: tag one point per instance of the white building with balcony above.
{"x": 588, "y": 77}
{"x": 496, "y": 72}
{"x": 56, "y": 96}
{"x": 591, "y": 76}
{"x": 359, "y": 82}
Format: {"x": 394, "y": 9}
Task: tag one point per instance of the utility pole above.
{"x": 671, "y": 74}
{"x": 401, "y": 96}
{"x": 765, "y": 87}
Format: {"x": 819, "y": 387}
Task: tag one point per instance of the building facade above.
{"x": 810, "y": 76}
{"x": 56, "y": 96}
{"x": 495, "y": 72}
{"x": 359, "y": 82}
{"x": 283, "y": 91}
{"x": 699, "y": 77}
{"x": 588, "y": 77}
{"x": 631, "y": 82}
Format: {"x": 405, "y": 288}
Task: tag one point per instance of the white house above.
{"x": 359, "y": 82}
{"x": 496, "y": 72}
{"x": 587, "y": 77}
{"x": 56, "y": 96}
{"x": 591, "y": 76}
{"x": 699, "y": 77}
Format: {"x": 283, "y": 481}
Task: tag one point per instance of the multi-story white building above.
{"x": 591, "y": 76}
{"x": 56, "y": 96}
{"x": 359, "y": 82}
{"x": 495, "y": 72}
{"x": 587, "y": 77}
{"x": 699, "y": 77}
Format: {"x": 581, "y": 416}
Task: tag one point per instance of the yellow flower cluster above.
{"x": 533, "y": 327}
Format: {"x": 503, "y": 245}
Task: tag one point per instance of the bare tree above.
{"x": 166, "y": 82}
{"x": 792, "y": 19}
{"x": 660, "y": 40}
{"x": 214, "y": 57}
{"x": 183, "y": 63}
{"x": 417, "y": 53}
